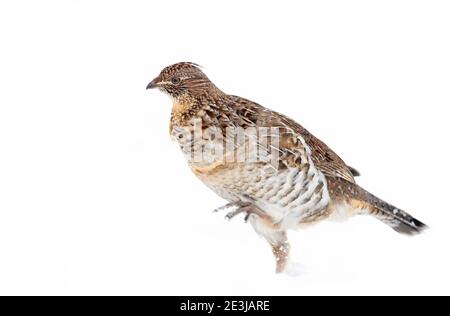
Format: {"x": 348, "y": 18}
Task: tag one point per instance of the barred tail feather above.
{"x": 396, "y": 218}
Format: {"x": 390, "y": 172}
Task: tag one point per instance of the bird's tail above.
{"x": 394, "y": 217}
{"x": 367, "y": 203}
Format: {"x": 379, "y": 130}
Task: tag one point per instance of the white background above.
{"x": 96, "y": 199}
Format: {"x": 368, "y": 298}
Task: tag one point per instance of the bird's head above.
{"x": 182, "y": 79}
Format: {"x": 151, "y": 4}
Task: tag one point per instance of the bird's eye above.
{"x": 175, "y": 80}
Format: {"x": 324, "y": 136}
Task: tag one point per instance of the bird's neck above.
{"x": 184, "y": 108}
{"x": 187, "y": 107}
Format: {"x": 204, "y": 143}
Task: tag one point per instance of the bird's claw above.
{"x": 241, "y": 207}
{"x": 224, "y": 207}
{"x": 232, "y": 214}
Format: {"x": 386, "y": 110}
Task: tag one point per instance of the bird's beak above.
{"x": 152, "y": 84}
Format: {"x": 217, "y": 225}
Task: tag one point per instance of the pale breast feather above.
{"x": 298, "y": 192}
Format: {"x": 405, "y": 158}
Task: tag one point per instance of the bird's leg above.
{"x": 281, "y": 253}
{"x": 278, "y": 241}
{"x": 275, "y": 236}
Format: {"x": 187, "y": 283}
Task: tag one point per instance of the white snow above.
{"x": 96, "y": 199}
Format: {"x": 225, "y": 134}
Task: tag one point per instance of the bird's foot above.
{"x": 239, "y": 207}
{"x": 249, "y": 209}
{"x": 227, "y": 206}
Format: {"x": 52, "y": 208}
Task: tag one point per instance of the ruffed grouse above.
{"x": 263, "y": 163}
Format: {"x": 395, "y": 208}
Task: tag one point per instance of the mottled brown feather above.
{"x": 323, "y": 157}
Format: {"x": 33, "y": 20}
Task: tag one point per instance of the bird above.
{"x": 264, "y": 164}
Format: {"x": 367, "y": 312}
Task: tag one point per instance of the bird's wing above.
{"x": 326, "y": 160}
{"x": 354, "y": 172}
{"x": 323, "y": 157}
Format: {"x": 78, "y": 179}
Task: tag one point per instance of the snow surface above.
{"x": 96, "y": 199}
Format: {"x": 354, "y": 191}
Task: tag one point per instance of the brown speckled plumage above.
{"x": 308, "y": 183}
